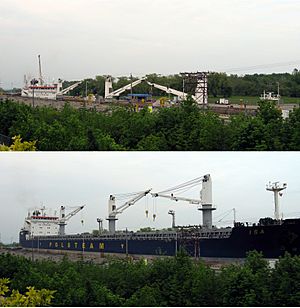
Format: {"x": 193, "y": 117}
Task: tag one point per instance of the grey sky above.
{"x": 73, "y": 179}
{"x": 84, "y": 38}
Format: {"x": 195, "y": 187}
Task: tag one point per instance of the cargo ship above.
{"x": 38, "y": 88}
{"x": 270, "y": 236}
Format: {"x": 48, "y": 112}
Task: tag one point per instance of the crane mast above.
{"x": 113, "y": 210}
{"x": 63, "y": 218}
{"x": 276, "y": 189}
{"x": 205, "y": 197}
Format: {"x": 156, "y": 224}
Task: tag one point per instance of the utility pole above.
{"x": 33, "y": 97}
{"x": 126, "y": 243}
{"x": 234, "y": 216}
{"x": 85, "y": 93}
{"x": 176, "y": 244}
{"x": 33, "y": 82}
{"x": 131, "y": 87}
{"x": 32, "y": 255}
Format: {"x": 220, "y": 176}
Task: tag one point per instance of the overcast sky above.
{"x": 83, "y": 38}
{"x": 73, "y": 179}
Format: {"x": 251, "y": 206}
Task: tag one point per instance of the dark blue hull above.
{"x": 272, "y": 240}
{"x": 134, "y": 247}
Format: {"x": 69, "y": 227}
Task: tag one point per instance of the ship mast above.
{"x": 40, "y": 71}
{"x": 276, "y": 188}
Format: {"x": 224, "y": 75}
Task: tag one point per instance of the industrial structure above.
{"x": 200, "y": 96}
{"x": 196, "y": 83}
{"x": 113, "y": 210}
{"x": 40, "y": 89}
{"x": 272, "y": 237}
{"x": 40, "y": 223}
{"x": 205, "y": 200}
{"x": 276, "y": 189}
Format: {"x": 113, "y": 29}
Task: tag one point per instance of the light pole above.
{"x": 32, "y": 255}
{"x": 126, "y": 243}
{"x": 86, "y": 82}
{"x": 131, "y": 87}
{"x": 33, "y": 83}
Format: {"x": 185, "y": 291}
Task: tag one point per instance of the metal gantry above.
{"x": 196, "y": 84}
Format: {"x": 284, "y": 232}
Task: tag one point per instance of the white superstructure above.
{"x": 270, "y": 96}
{"x": 40, "y": 223}
{"x": 40, "y": 89}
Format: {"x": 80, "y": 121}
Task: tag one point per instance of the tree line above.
{"x": 183, "y": 128}
{"x": 170, "y": 281}
{"x": 219, "y": 84}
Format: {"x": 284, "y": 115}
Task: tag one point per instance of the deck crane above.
{"x": 113, "y": 210}
{"x": 63, "y": 218}
{"x": 205, "y": 196}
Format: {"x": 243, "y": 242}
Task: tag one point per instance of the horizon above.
{"x": 117, "y": 38}
{"x": 172, "y": 74}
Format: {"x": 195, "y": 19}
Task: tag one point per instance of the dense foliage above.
{"x": 176, "y": 281}
{"x": 185, "y": 128}
{"x": 31, "y": 298}
{"x": 219, "y": 84}
{"x": 18, "y": 145}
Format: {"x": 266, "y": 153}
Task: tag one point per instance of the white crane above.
{"x": 205, "y": 196}
{"x": 113, "y": 210}
{"x": 66, "y": 90}
{"x": 180, "y": 94}
{"x": 117, "y": 92}
{"x": 109, "y": 94}
{"x": 63, "y": 218}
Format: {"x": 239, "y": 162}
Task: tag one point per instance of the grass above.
{"x": 253, "y": 100}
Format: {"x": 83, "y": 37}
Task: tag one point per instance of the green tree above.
{"x": 31, "y": 298}
{"x": 246, "y": 285}
{"x": 285, "y": 281}
{"x": 18, "y": 145}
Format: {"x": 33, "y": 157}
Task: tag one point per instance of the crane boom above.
{"x": 175, "y": 198}
{"x": 168, "y": 90}
{"x": 132, "y": 201}
{"x": 63, "y": 218}
{"x": 205, "y": 196}
{"x": 66, "y": 90}
{"x": 125, "y": 88}
{"x": 113, "y": 210}
{"x": 74, "y": 212}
